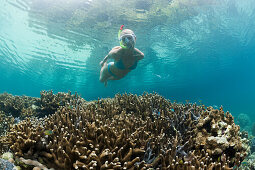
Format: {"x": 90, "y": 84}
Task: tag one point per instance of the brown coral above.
{"x": 17, "y": 105}
{"x": 130, "y": 131}
{"x": 48, "y": 103}
{"x": 221, "y": 135}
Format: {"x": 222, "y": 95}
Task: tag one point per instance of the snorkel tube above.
{"x": 121, "y": 42}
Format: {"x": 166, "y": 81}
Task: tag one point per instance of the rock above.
{"x": 7, "y": 156}
{"x": 6, "y": 165}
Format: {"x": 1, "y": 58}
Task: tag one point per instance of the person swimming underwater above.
{"x": 125, "y": 57}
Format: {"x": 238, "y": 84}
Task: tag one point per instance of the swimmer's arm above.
{"x": 111, "y": 55}
{"x": 108, "y": 56}
{"x": 139, "y": 54}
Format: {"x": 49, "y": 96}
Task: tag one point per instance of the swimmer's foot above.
{"x": 105, "y": 83}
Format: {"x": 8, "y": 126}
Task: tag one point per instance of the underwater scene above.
{"x": 127, "y": 84}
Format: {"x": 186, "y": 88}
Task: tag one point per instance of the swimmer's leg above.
{"x": 105, "y": 75}
{"x": 110, "y": 78}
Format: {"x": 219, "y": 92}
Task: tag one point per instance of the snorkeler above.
{"x": 125, "y": 57}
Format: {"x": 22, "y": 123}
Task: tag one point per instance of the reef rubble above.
{"x": 127, "y": 132}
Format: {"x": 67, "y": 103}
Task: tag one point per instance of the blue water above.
{"x": 194, "y": 50}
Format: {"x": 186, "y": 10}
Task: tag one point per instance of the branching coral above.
{"x": 48, "y": 103}
{"x": 130, "y": 131}
{"x": 5, "y": 122}
{"x": 17, "y": 105}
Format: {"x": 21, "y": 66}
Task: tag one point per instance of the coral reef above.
{"x": 253, "y": 129}
{"x": 244, "y": 121}
{"x": 18, "y": 105}
{"x": 24, "y": 106}
{"x": 5, "y": 122}
{"x": 13, "y": 109}
{"x": 129, "y": 131}
{"x": 248, "y": 163}
{"x": 49, "y": 102}
{"x": 252, "y": 143}
{"x": 217, "y": 135}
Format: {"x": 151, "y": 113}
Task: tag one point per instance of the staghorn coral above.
{"x": 15, "y": 108}
{"x": 130, "y": 131}
{"x": 5, "y": 122}
{"x": 18, "y": 105}
{"x": 48, "y": 103}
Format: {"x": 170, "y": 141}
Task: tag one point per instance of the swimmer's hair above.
{"x": 126, "y": 31}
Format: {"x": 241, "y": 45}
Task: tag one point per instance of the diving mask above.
{"x": 126, "y": 40}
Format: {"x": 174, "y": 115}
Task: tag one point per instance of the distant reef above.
{"x": 64, "y": 131}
